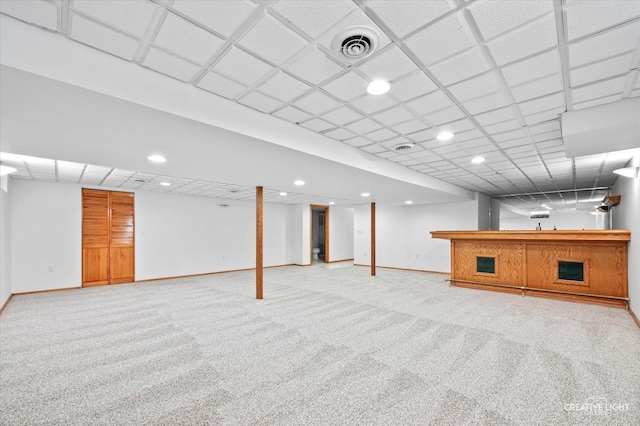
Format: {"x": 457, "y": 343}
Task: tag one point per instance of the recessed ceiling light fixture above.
{"x": 444, "y": 136}
{"x": 331, "y": 202}
{"x": 378, "y": 87}
{"x": 365, "y": 194}
{"x": 299, "y": 182}
{"x": 156, "y": 158}
{"x": 284, "y": 194}
{"x": 478, "y": 160}
{"x": 629, "y": 172}
{"x": 165, "y": 184}
{"x": 408, "y": 202}
{"x": 6, "y": 170}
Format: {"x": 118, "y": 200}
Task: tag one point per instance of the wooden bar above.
{"x": 259, "y": 242}
{"x": 587, "y": 266}
{"x": 373, "y": 239}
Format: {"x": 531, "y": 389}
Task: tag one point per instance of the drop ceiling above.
{"x": 496, "y": 73}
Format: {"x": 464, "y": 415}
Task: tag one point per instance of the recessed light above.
{"x": 444, "y": 136}
{"x": 408, "y": 202}
{"x": 284, "y": 194}
{"x": 5, "y": 170}
{"x": 378, "y": 87}
{"x": 478, "y": 160}
{"x": 365, "y": 194}
{"x": 299, "y": 182}
{"x": 156, "y": 158}
{"x": 331, "y": 202}
{"x": 165, "y": 184}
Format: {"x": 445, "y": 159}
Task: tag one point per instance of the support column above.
{"x": 373, "y": 239}
{"x": 259, "y": 233}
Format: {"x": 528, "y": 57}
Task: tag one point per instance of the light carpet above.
{"x": 327, "y": 346}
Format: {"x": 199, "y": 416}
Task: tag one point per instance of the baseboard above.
{"x": 342, "y": 260}
{"x": 210, "y": 273}
{"x": 635, "y": 318}
{"x": 406, "y": 269}
{"x": 6, "y": 303}
{"x": 46, "y": 291}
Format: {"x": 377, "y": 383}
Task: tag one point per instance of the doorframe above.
{"x": 326, "y": 230}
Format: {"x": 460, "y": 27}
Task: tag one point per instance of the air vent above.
{"x": 356, "y": 43}
{"x": 404, "y": 147}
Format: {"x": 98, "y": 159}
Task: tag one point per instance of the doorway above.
{"x": 107, "y": 237}
{"x": 319, "y": 233}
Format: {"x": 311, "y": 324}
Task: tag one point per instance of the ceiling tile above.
{"x": 317, "y": 124}
{"x": 314, "y": 66}
{"x": 486, "y": 103}
{"x": 409, "y": 127}
{"x": 596, "y": 102}
{"x": 380, "y": 135}
{"x": 532, "y": 68}
{"x": 502, "y": 127}
{"x": 542, "y": 104}
{"x": 388, "y": 65}
{"x": 223, "y": 16}
{"x": 515, "y": 134}
{"x": 339, "y": 134}
{"x": 552, "y": 114}
{"x": 430, "y": 103}
{"x": 496, "y": 116}
{"x": 363, "y": 126}
{"x": 347, "y": 86}
{"x": 183, "y": 38}
{"x": 598, "y": 90}
{"x": 393, "y": 116}
{"x": 460, "y": 67}
{"x": 443, "y": 39}
{"x": 102, "y": 38}
{"x": 283, "y": 87}
{"x": 314, "y": 17}
{"x": 316, "y": 103}
{"x": 292, "y": 114}
{"x": 468, "y": 135}
{"x": 537, "y": 88}
{"x": 590, "y": 16}
{"x": 444, "y": 116}
{"x": 260, "y": 102}
{"x": 545, "y": 127}
{"x": 412, "y": 15}
{"x": 39, "y": 13}
{"x": 610, "y": 43}
{"x": 496, "y": 17}
{"x": 132, "y": 17}
{"x": 373, "y": 103}
{"x": 416, "y": 85}
{"x": 170, "y": 65}
{"x": 375, "y": 149}
{"x": 599, "y": 70}
{"x": 221, "y": 85}
{"x": 342, "y": 116}
{"x": 272, "y": 40}
{"x": 475, "y": 87}
{"x": 242, "y": 67}
{"x": 525, "y": 41}
{"x": 358, "y": 141}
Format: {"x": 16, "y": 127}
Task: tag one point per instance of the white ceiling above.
{"x": 496, "y": 73}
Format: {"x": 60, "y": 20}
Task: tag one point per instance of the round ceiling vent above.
{"x": 404, "y": 147}
{"x": 356, "y": 43}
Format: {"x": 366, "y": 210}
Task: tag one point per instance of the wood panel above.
{"x": 121, "y": 254}
{"x": 373, "y": 239}
{"x": 510, "y": 261}
{"x": 95, "y": 237}
{"x": 259, "y": 241}
{"x": 564, "y": 236}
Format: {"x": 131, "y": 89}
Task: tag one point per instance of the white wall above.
{"x": 45, "y": 233}
{"x": 484, "y": 212}
{"x": 626, "y": 215}
{"x": 340, "y": 233}
{"x": 175, "y": 235}
{"x": 403, "y": 238}
{"x": 5, "y": 239}
{"x": 301, "y": 234}
{"x": 562, "y": 220}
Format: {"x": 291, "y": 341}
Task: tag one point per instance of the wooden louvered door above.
{"x": 107, "y": 237}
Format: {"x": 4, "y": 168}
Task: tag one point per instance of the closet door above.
{"x": 95, "y": 237}
{"x": 107, "y": 237}
{"x": 121, "y": 255}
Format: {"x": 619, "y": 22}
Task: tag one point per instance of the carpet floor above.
{"x": 327, "y": 346}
